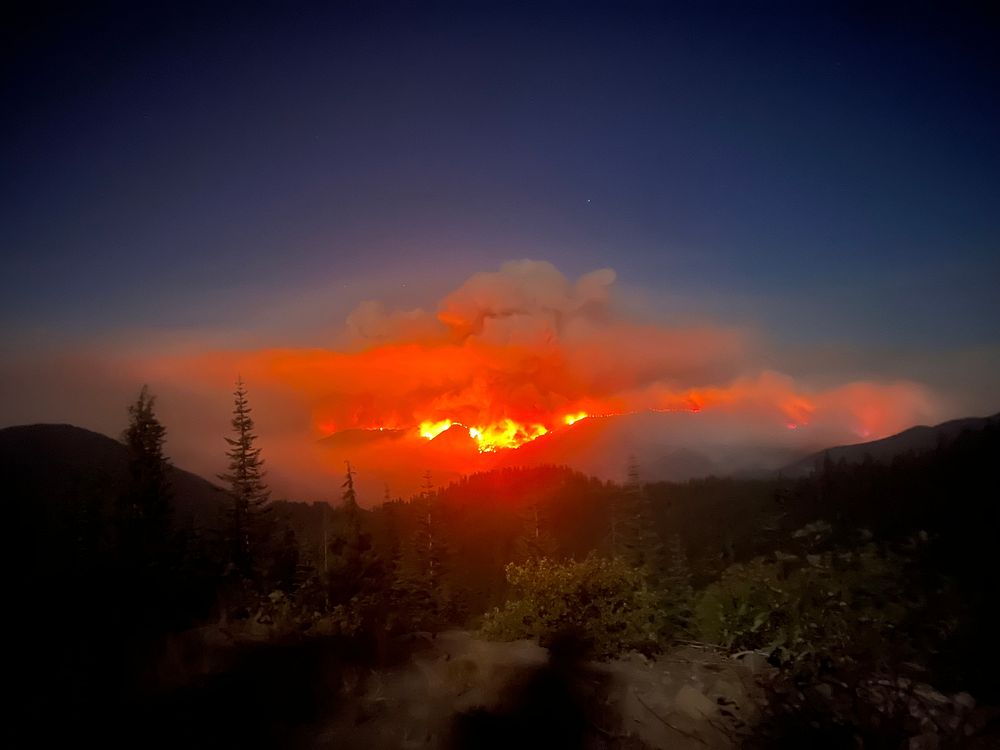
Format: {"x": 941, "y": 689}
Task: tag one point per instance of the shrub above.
{"x": 823, "y": 612}
{"x": 605, "y": 601}
{"x": 744, "y": 608}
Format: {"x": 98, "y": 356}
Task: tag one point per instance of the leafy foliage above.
{"x": 606, "y": 601}
{"x": 814, "y": 613}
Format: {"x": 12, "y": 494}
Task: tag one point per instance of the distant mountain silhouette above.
{"x": 52, "y": 466}
{"x": 917, "y": 440}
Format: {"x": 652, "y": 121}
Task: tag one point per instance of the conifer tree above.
{"x": 428, "y": 597}
{"x": 249, "y": 495}
{"x": 427, "y": 542}
{"x": 399, "y": 586}
{"x": 534, "y": 541}
{"x": 639, "y": 542}
{"x": 353, "y": 567}
{"x": 144, "y": 509}
{"x": 349, "y": 501}
{"x": 287, "y": 566}
{"x": 348, "y": 542}
{"x": 678, "y": 591}
{"x": 391, "y": 527}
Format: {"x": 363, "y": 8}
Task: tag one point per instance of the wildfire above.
{"x": 505, "y": 433}
{"x": 431, "y": 430}
{"x": 571, "y": 419}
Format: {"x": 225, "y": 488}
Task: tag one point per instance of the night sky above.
{"x": 829, "y": 176}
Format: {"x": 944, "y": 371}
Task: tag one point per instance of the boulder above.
{"x": 693, "y": 703}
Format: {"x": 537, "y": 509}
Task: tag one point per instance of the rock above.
{"x": 925, "y": 742}
{"x": 930, "y": 695}
{"x": 754, "y": 661}
{"x": 693, "y": 703}
{"x": 729, "y": 692}
{"x": 638, "y": 659}
{"x": 822, "y": 692}
{"x": 964, "y": 701}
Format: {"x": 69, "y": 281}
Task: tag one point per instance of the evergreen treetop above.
{"x": 248, "y": 492}
{"x": 145, "y": 505}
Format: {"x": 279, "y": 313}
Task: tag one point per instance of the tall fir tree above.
{"x": 353, "y": 568}
{"x": 678, "y": 591}
{"x": 428, "y": 598}
{"x": 249, "y": 495}
{"x": 535, "y": 541}
{"x": 144, "y": 507}
{"x": 427, "y": 543}
{"x": 349, "y": 502}
{"x": 639, "y": 542}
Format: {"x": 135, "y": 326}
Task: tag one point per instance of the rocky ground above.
{"x": 460, "y": 691}
{"x": 456, "y": 691}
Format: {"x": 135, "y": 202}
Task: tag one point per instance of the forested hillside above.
{"x": 905, "y": 547}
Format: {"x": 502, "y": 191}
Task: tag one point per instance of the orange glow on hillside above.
{"x": 571, "y": 419}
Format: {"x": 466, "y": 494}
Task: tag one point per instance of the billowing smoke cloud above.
{"x": 510, "y": 358}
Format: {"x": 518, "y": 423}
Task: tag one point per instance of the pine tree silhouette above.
{"x": 249, "y": 495}
{"x": 144, "y": 508}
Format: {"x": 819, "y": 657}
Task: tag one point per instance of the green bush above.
{"x": 810, "y": 612}
{"x": 744, "y": 608}
{"x": 606, "y": 601}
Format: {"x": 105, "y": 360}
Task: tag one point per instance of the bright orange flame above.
{"x": 505, "y": 434}
{"x": 491, "y": 437}
{"x": 431, "y": 430}
{"x": 574, "y": 418}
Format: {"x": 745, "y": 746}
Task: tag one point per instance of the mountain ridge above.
{"x": 917, "y": 439}
{"x": 53, "y": 464}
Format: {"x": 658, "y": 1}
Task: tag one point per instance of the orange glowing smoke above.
{"x": 523, "y": 352}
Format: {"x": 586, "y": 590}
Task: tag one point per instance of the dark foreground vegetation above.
{"x": 867, "y": 588}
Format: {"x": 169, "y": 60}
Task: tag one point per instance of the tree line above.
{"x": 854, "y": 571}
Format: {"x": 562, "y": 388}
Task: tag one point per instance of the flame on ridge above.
{"x": 505, "y": 433}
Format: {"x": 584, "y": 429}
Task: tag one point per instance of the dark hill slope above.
{"x": 916, "y": 440}
{"x": 53, "y": 469}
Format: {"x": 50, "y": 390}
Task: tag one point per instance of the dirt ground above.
{"x": 460, "y": 691}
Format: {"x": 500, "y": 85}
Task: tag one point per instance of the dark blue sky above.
{"x": 829, "y": 174}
